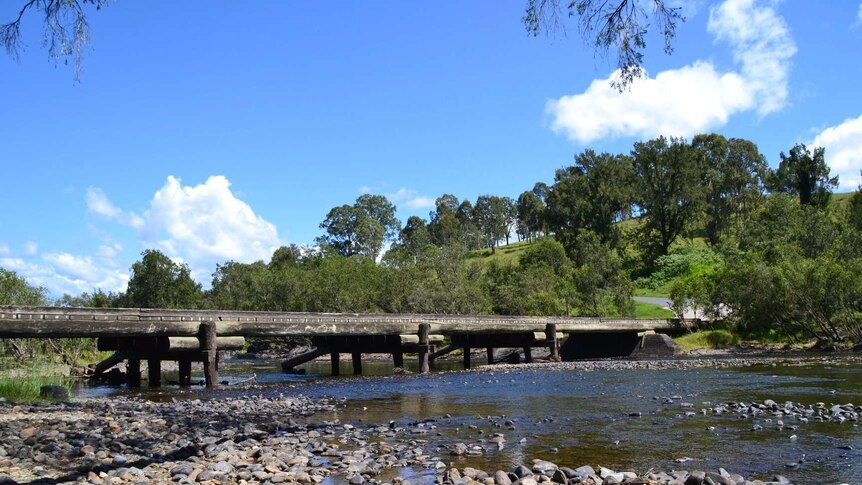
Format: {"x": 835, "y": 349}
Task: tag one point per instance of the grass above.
{"x": 651, "y": 310}
{"x": 708, "y": 339}
{"x": 23, "y": 384}
{"x": 509, "y": 253}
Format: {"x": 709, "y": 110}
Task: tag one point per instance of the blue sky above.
{"x": 220, "y": 130}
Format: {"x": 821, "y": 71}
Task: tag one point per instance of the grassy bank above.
{"x": 651, "y": 310}
{"x": 23, "y": 383}
{"x": 708, "y": 339}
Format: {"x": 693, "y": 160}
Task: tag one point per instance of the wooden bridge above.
{"x": 197, "y": 335}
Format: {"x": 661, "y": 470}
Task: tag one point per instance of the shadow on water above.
{"x": 620, "y": 419}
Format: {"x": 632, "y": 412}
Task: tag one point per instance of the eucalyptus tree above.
{"x": 158, "y": 282}
{"x": 669, "y": 192}
{"x": 362, "y": 228}
{"x": 805, "y": 174}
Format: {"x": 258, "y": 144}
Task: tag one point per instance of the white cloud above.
{"x": 4, "y": 250}
{"x": 98, "y": 203}
{"x": 66, "y": 273}
{"x": 31, "y": 248}
{"x": 694, "y": 98}
{"x": 411, "y": 199}
{"x": 843, "y": 144}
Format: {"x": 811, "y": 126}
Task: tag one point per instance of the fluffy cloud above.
{"x": 206, "y": 224}
{"x": 693, "y": 98}
{"x": 843, "y": 145}
{"x": 201, "y": 225}
{"x": 410, "y": 199}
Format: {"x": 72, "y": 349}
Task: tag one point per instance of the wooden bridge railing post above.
{"x": 553, "y": 343}
{"x": 207, "y": 337}
{"x": 424, "y": 347}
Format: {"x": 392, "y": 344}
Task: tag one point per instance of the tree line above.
{"x": 607, "y": 224}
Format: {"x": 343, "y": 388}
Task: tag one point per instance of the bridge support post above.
{"x": 133, "y": 373}
{"x": 528, "y": 354}
{"x": 467, "y": 356}
{"x": 357, "y": 363}
{"x": 185, "y": 366}
{"x": 398, "y": 359}
{"x": 490, "y": 351}
{"x": 424, "y": 347}
{"x": 553, "y": 343}
{"x": 154, "y": 372}
{"x": 335, "y": 364}
{"x": 207, "y": 337}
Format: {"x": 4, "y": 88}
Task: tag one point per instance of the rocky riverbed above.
{"x": 256, "y": 435}
{"x": 256, "y": 439}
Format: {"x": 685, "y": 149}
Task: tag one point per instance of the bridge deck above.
{"x": 53, "y": 322}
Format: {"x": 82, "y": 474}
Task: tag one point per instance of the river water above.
{"x": 620, "y": 419}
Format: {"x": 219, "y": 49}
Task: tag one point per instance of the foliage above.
{"x": 854, "y": 209}
{"x": 733, "y": 174}
{"x": 66, "y": 30}
{"x": 491, "y": 215}
{"x": 686, "y": 261}
{"x": 530, "y": 214}
{"x": 651, "y": 310}
{"x": 804, "y": 174}
{"x": 620, "y": 26}
{"x": 14, "y": 290}
{"x": 600, "y": 285}
{"x": 159, "y": 282}
{"x": 361, "y": 228}
{"x": 669, "y": 192}
{"x": 593, "y": 195}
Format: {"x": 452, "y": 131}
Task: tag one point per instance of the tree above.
{"x": 804, "y": 174}
{"x": 594, "y": 194}
{"x": 14, "y": 290}
{"x": 669, "y": 192}
{"x": 445, "y": 228}
{"x": 510, "y": 215}
{"x": 238, "y": 286}
{"x": 733, "y": 173}
{"x": 855, "y": 208}
{"x": 66, "y": 30}
{"x": 619, "y": 26}
{"x": 415, "y": 236}
{"x": 361, "y": 228}
{"x": 490, "y": 216}
{"x": 158, "y": 282}
{"x": 286, "y": 256}
{"x": 530, "y": 214}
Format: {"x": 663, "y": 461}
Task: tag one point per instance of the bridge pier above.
{"x": 154, "y": 372}
{"x": 490, "y": 351}
{"x": 398, "y": 359}
{"x": 357, "y": 363}
{"x": 424, "y": 347}
{"x": 528, "y": 354}
{"x": 133, "y": 373}
{"x": 335, "y": 364}
{"x": 185, "y": 366}
{"x": 553, "y": 343}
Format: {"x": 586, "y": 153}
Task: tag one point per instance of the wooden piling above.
{"x": 154, "y": 372}
{"x": 467, "y": 357}
{"x": 133, "y": 373}
{"x": 207, "y": 336}
{"x": 553, "y": 343}
{"x": 424, "y": 347}
{"x": 398, "y": 359}
{"x": 528, "y": 354}
{"x": 335, "y": 363}
{"x": 490, "y": 351}
{"x": 357, "y": 363}
{"x": 185, "y": 366}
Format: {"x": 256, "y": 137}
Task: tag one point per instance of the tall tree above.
{"x": 415, "y": 237}
{"x": 158, "y": 282}
{"x": 361, "y": 228}
{"x": 490, "y": 216}
{"x": 15, "y": 290}
{"x": 669, "y": 192}
{"x": 444, "y": 226}
{"x": 592, "y": 195}
{"x": 804, "y": 174}
{"x": 531, "y": 214}
{"x": 733, "y": 172}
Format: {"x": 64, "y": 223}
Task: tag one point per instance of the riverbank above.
{"x": 257, "y": 434}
